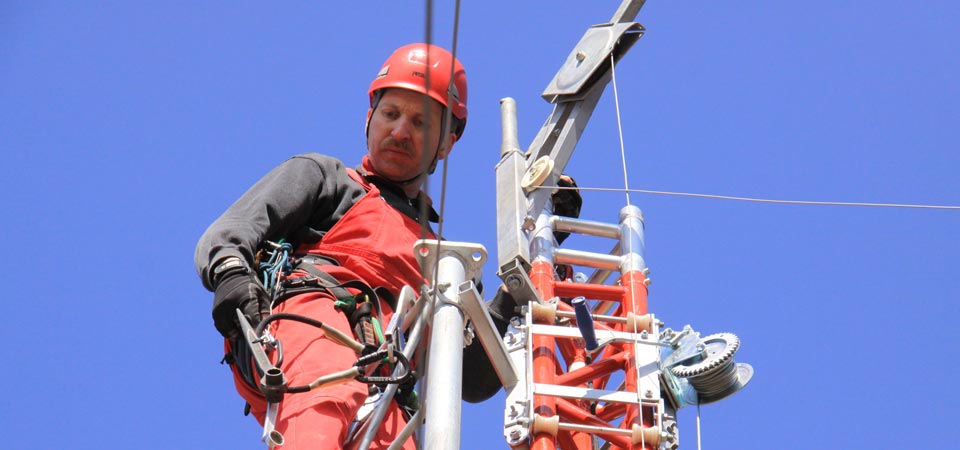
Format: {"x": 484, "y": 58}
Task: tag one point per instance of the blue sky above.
{"x": 127, "y": 127}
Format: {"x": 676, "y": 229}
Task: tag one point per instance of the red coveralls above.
{"x": 373, "y": 242}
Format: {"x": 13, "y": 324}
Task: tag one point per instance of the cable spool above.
{"x": 716, "y": 376}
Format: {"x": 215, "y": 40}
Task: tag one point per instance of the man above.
{"x": 368, "y": 220}
{"x": 345, "y": 225}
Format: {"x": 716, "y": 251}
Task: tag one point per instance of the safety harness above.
{"x": 278, "y": 268}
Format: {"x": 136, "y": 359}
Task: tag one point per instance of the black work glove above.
{"x": 566, "y": 202}
{"x": 238, "y": 289}
{"x": 502, "y": 308}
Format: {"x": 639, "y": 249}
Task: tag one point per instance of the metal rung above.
{"x": 587, "y": 259}
{"x": 636, "y": 433}
{"x": 579, "y": 393}
{"x": 603, "y": 336}
{"x": 587, "y": 227}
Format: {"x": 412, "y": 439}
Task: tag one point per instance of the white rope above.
{"x": 698, "y": 425}
{"x": 761, "y": 200}
{"x": 623, "y": 153}
{"x": 633, "y": 304}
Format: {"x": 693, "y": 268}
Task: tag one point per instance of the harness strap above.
{"x": 363, "y": 315}
{"x": 308, "y": 264}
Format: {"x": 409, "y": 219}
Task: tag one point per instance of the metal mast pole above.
{"x": 458, "y": 263}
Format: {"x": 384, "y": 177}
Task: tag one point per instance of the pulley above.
{"x": 715, "y": 375}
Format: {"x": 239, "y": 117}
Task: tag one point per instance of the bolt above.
{"x": 581, "y": 56}
{"x": 644, "y": 334}
{"x": 514, "y": 281}
{"x": 514, "y": 435}
{"x": 648, "y": 393}
{"x": 529, "y": 224}
{"x": 647, "y": 281}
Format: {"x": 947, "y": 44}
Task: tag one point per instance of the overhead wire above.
{"x": 761, "y": 200}
{"x": 423, "y": 349}
{"x": 626, "y": 187}
{"x": 448, "y": 112}
{"x": 424, "y": 220}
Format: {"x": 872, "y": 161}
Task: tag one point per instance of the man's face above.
{"x": 399, "y": 148}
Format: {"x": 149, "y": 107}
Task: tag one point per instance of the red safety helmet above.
{"x": 406, "y": 68}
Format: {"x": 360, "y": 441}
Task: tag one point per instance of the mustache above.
{"x": 391, "y": 142}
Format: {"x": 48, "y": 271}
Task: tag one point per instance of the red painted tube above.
{"x": 635, "y": 297}
{"x": 592, "y": 371}
{"x": 544, "y": 359}
{"x": 570, "y": 413}
{"x": 592, "y": 291}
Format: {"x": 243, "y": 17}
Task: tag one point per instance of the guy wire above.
{"x": 760, "y": 200}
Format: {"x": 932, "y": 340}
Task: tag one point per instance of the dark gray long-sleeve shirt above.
{"x": 300, "y": 200}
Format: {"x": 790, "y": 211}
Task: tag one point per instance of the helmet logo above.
{"x": 383, "y": 71}
{"x": 419, "y": 56}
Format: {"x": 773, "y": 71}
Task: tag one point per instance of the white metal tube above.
{"x": 631, "y": 239}
{"x": 589, "y": 259}
{"x": 541, "y": 244}
{"x": 512, "y": 241}
{"x": 508, "y": 122}
{"x": 444, "y": 385}
{"x": 587, "y": 227}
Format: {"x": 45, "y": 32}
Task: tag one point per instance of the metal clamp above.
{"x": 429, "y": 251}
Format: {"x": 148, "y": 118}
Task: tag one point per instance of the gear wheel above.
{"x": 719, "y": 350}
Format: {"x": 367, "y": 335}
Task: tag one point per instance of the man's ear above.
{"x": 445, "y": 149}
{"x": 366, "y": 125}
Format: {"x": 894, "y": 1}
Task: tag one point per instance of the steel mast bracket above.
{"x": 428, "y": 251}
{"x": 589, "y": 62}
